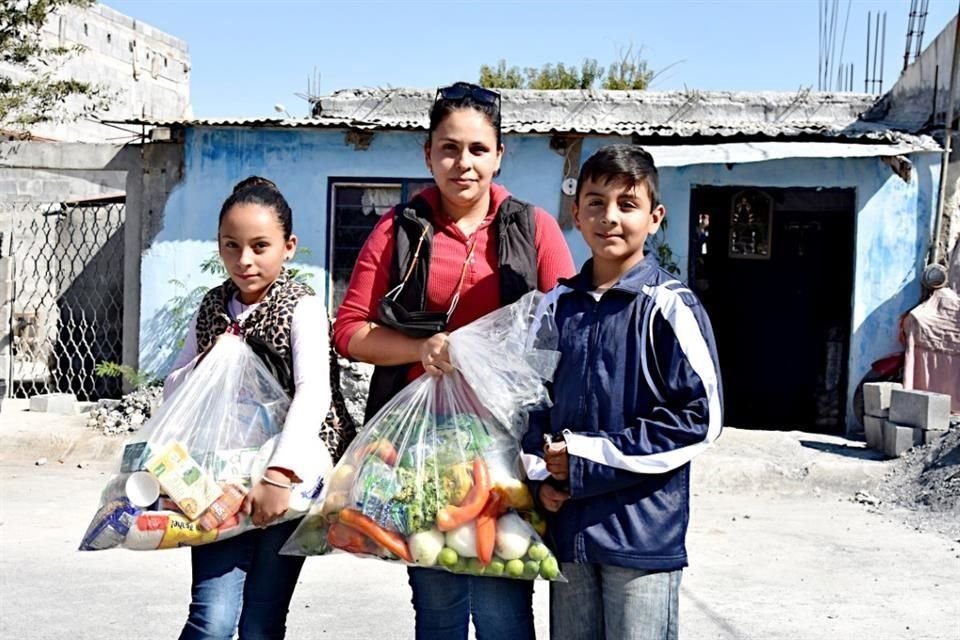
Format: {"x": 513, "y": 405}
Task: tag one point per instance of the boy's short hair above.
{"x": 626, "y": 163}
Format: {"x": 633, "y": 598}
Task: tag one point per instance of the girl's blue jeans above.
{"x": 502, "y": 608}
{"x": 243, "y": 585}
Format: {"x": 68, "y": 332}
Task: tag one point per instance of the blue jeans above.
{"x": 242, "y": 583}
{"x": 603, "y": 601}
{"x": 502, "y": 608}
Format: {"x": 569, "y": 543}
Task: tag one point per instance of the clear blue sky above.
{"x": 249, "y": 55}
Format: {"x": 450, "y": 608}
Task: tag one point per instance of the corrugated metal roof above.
{"x": 673, "y": 114}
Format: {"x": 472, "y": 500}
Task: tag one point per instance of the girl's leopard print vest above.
{"x": 266, "y": 329}
{"x": 268, "y": 332}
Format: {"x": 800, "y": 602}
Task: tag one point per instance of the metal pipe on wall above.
{"x": 947, "y": 146}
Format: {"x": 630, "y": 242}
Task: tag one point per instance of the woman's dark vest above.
{"x": 268, "y": 331}
{"x": 514, "y": 231}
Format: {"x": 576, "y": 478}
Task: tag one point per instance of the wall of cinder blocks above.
{"x": 896, "y": 419}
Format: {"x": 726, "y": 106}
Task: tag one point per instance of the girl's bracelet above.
{"x": 274, "y": 483}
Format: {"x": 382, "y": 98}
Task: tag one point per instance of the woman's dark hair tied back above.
{"x": 464, "y": 95}
{"x": 254, "y": 181}
{"x": 261, "y": 191}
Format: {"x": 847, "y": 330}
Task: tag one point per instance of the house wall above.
{"x": 145, "y": 72}
{"x": 893, "y": 229}
{"x": 893, "y": 225}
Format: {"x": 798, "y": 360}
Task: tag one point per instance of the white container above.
{"x": 142, "y": 489}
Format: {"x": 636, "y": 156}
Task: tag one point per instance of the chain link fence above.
{"x": 67, "y": 309}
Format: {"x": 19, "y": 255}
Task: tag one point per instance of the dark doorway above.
{"x": 774, "y": 268}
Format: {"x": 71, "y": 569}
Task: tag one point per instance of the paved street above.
{"x": 775, "y": 553}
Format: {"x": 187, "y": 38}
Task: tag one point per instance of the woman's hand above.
{"x": 434, "y": 355}
{"x": 266, "y": 502}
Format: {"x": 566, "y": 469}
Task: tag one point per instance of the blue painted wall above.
{"x": 892, "y": 230}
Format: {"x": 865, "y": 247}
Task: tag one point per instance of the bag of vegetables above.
{"x": 184, "y": 476}
{"x": 434, "y": 478}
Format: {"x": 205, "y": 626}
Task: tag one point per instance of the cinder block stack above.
{"x": 876, "y": 410}
{"x": 896, "y": 419}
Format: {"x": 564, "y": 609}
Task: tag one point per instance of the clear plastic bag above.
{"x": 434, "y": 479}
{"x": 183, "y": 478}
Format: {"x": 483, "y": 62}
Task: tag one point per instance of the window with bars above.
{"x": 355, "y": 207}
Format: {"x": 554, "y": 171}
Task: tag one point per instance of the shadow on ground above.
{"x": 859, "y": 452}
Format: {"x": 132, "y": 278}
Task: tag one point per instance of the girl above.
{"x": 456, "y": 252}
{"x": 242, "y": 584}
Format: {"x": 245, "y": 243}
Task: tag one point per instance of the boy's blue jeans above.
{"x": 603, "y": 601}
{"x": 502, "y": 608}
{"x": 243, "y": 584}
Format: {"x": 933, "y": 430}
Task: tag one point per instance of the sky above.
{"x": 249, "y": 55}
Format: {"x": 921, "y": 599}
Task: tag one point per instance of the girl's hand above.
{"x": 265, "y": 502}
{"x": 552, "y": 498}
{"x": 434, "y": 355}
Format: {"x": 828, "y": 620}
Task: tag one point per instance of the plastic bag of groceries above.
{"x": 434, "y": 478}
{"x": 183, "y": 478}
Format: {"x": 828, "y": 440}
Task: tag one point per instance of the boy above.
{"x": 636, "y": 396}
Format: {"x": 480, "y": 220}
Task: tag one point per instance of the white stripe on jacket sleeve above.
{"x": 695, "y": 349}
{"x": 535, "y": 467}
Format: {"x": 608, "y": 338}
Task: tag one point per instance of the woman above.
{"x": 454, "y": 253}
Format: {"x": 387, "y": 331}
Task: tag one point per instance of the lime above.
{"x": 550, "y": 568}
{"x": 531, "y": 568}
{"x": 514, "y": 568}
{"x": 460, "y": 566}
{"x": 475, "y": 567}
{"x": 495, "y": 568}
{"x": 538, "y": 551}
{"x": 448, "y": 557}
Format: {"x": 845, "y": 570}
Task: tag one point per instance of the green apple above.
{"x": 538, "y": 551}
{"x": 550, "y": 568}
{"x": 475, "y": 567}
{"x": 514, "y": 568}
{"x": 531, "y": 568}
{"x": 447, "y": 557}
{"x": 495, "y": 568}
{"x": 311, "y": 540}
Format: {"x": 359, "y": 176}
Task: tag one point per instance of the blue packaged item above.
{"x": 110, "y": 525}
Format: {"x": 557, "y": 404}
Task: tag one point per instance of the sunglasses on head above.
{"x": 460, "y": 90}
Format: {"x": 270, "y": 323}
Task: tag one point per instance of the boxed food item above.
{"x": 185, "y": 481}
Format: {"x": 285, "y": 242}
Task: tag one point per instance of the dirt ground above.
{"x": 781, "y": 545}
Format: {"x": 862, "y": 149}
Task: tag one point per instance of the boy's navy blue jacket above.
{"x": 637, "y": 395}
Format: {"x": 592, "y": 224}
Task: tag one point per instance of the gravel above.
{"x": 926, "y": 480}
{"x": 117, "y": 417}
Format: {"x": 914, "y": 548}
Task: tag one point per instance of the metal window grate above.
{"x": 356, "y": 207}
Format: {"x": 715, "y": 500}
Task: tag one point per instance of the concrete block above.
{"x": 876, "y": 398}
{"x": 64, "y": 404}
{"x": 920, "y": 409}
{"x": 898, "y": 438}
{"x": 873, "y": 430}
{"x": 86, "y": 407}
{"x": 930, "y": 436}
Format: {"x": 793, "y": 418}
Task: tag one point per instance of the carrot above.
{"x": 340, "y": 536}
{"x": 452, "y": 516}
{"x": 390, "y": 540}
{"x": 487, "y": 529}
